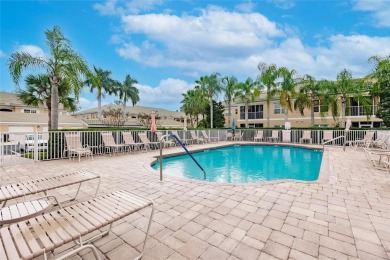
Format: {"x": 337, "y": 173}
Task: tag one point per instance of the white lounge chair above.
{"x": 40, "y": 235}
{"x": 379, "y": 158}
{"x": 366, "y": 141}
{"x": 166, "y": 142}
{"x": 147, "y": 143}
{"x": 381, "y": 141}
{"x": 195, "y": 138}
{"x": 74, "y": 146}
{"x": 328, "y": 135}
{"x": 274, "y": 136}
{"x": 238, "y": 135}
{"x": 29, "y": 208}
{"x": 306, "y": 137}
{"x": 109, "y": 143}
{"x": 229, "y": 136}
{"x": 183, "y": 140}
{"x": 259, "y": 136}
{"x": 207, "y": 138}
{"x": 129, "y": 141}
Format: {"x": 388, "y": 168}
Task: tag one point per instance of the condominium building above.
{"x": 257, "y": 115}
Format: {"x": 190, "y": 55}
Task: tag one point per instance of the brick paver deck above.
{"x": 347, "y": 217}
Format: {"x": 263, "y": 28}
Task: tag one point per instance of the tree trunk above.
{"x": 312, "y": 114}
{"x": 54, "y": 101}
{"x": 343, "y": 113}
{"x": 246, "y": 114}
{"x": 268, "y": 92}
{"x": 99, "y": 100}
{"x": 48, "y": 104}
{"x": 211, "y": 113}
{"x": 286, "y": 116}
{"x": 229, "y": 111}
{"x": 124, "y": 109}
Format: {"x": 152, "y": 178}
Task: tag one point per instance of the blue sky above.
{"x": 166, "y": 45}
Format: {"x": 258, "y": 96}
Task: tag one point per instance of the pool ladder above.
{"x": 184, "y": 147}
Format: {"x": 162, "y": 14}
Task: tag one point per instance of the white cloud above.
{"x": 167, "y": 94}
{"x": 85, "y": 103}
{"x": 380, "y": 10}
{"x": 33, "y": 50}
{"x": 283, "y": 4}
{"x": 246, "y": 7}
{"x": 2, "y": 54}
{"x": 113, "y": 7}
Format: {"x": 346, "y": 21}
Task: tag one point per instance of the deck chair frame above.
{"x": 74, "y": 146}
{"x": 184, "y": 141}
{"x": 128, "y": 140}
{"x": 306, "y": 137}
{"x": 41, "y": 235}
{"x": 274, "y": 136}
{"x": 328, "y": 135}
{"x": 238, "y": 136}
{"x": 365, "y": 142}
{"x": 195, "y": 138}
{"x": 209, "y": 139}
{"x": 42, "y": 185}
{"x": 166, "y": 142}
{"x": 110, "y": 144}
{"x": 259, "y": 136}
{"x": 147, "y": 143}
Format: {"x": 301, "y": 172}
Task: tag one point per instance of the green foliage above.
{"x": 382, "y": 85}
{"x": 219, "y": 119}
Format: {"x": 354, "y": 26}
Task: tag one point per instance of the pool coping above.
{"x": 324, "y": 175}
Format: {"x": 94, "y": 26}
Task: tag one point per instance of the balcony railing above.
{"x": 359, "y": 111}
{"x": 252, "y": 115}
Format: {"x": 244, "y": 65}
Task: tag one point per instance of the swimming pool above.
{"x": 249, "y": 163}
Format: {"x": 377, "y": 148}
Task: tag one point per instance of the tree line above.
{"x": 66, "y": 74}
{"x": 295, "y": 93}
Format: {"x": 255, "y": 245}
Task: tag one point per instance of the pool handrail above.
{"x": 334, "y": 139}
{"x": 182, "y": 145}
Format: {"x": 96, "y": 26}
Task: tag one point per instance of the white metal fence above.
{"x": 24, "y": 147}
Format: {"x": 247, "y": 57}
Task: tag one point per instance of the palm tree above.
{"x": 100, "y": 80}
{"x": 268, "y": 76}
{"x": 286, "y": 90}
{"x": 38, "y": 92}
{"x": 193, "y": 104}
{"x": 381, "y": 86}
{"x": 63, "y": 64}
{"x": 247, "y": 92}
{"x": 341, "y": 92}
{"x": 231, "y": 84}
{"x": 210, "y": 85}
{"x": 309, "y": 93}
{"x": 127, "y": 91}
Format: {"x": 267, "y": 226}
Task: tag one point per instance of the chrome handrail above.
{"x": 182, "y": 145}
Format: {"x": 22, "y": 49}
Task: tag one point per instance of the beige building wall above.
{"x": 294, "y": 117}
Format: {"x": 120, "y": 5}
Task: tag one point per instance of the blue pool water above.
{"x": 240, "y": 164}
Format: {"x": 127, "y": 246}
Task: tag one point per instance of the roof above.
{"x": 135, "y": 110}
{"x": 11, "y": 99}
{"x": 38, "y": 118}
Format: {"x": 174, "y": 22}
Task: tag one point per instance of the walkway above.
{"x": 346, "y": 218}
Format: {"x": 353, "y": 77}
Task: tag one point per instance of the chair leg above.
{"x": 77, "y": 192}
{"x": 147, "y": 233}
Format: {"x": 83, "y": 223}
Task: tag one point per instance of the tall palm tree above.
{"x": 63, "y": 63}
{"x": 268, "y": 76}
{"x": 229, "y": 89}
{"x": 247, "y": 92}
{"x": 380, "y": 77}
{"x": 286, "y": 90}
{"x": 127, "y": 91}
{"x": 37, "y": 92}
{"x": 193, "y": 104}
{"x": 309, "y": 93}
{"x": 211, "y": 86}
{"x": 341, "y": 92}
{"x": 100, "y": 80}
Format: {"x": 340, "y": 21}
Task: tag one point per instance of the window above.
{"x": 30, "y": 111}
{"x": 278, "y": 110}
{"x": 236, "y": 111}
{"x": 254, "y": 112}
{"x": 316, "y": 106}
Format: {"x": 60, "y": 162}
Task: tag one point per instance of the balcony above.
{"x": 359, "y": 111}
{"x": 252, "y": 115}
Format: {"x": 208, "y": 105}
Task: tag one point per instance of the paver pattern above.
{"x": 347, "y": 217}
